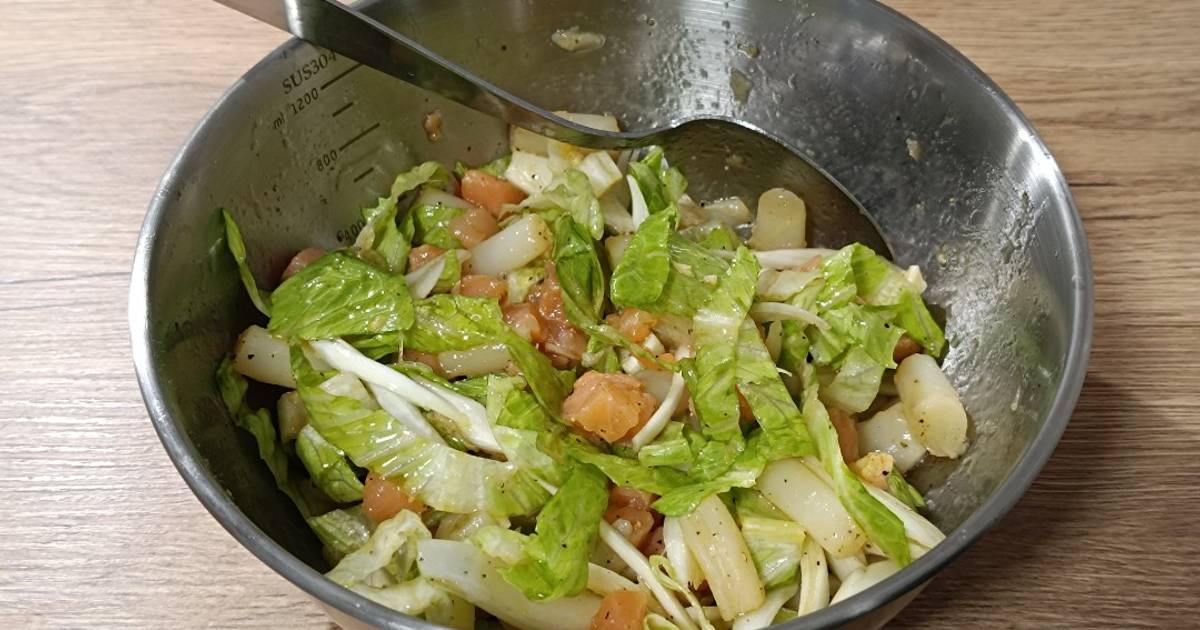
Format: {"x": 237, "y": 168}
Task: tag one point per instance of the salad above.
{"x": 555, "y": 391}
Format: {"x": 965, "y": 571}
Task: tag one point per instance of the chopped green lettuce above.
{"x": 237, "y": 247}
{"x": 744, "y": 471}
{"x": 914, "y": 317}
{"x": 495, "y": 168}
{"x": 661, "y": 185}
{"x": 581, "y": 278}
{"x": 455, "y": 322}
{"x": 327, "y": 466}
{"x": 442, "y": 477}
{"x": 340, "y": 295}
{"x": 901, "y": 489}
{"x": 342, "y": 531}
{"x": 854, "y": 385}
{"x": 545, "y": 382}
{"x": 431, "y": 225}
{"x": 769, "y": 400}
{"x": 451, "y": 272}
{"x": 413, "y": 597}
{"x": 571, "y": 191}
{"x": 713, "y": 236}
{"x": 774, "y": 540}
{"x": 854, "y": 325}
{"x": 694, "y": 275}
{"x": 628, "y": 472}
{"x": 670, "y": 448}
{"x": 881, "y": 526}
{"x": 258, "y": 423}
{"x": 527, "y": 434}
{"x": 392, "y": 546}
{"x": 856, "y": 271}
{"x": 640, "y": 276}
{"x": 554, "y": 563}
{"x": 381, "y": 241}
{"x": 715, "y": 337}
{"x": 579, "y": 273}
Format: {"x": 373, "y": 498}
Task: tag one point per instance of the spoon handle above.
{"x": 347, "y": 31}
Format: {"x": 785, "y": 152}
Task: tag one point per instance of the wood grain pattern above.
{"x": 99, "y": 530}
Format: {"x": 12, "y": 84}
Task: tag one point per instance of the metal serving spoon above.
{"x": 762, "y": 161}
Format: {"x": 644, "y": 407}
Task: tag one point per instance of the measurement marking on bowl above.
{"x": 358, "y": 137}
{"x": 339, "y": 77}
{"x": 363, "y": 174}
{"x": 341, "y": 109}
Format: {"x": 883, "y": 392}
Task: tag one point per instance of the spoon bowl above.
{"x": 746, "y": 154}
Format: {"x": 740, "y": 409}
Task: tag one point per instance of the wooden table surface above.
{"x": 97, "y": 529}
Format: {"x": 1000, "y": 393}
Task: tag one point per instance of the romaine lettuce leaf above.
{"x": 455, "y": 322}
{"x": 775, "y": 541}
{"x": 495, "y": 168}
{"x": 327, "y": 466}
{"x": 793, "y": 353}
{"x": 431, "y": 225}
{"x": 628, "y": 472}
{"x": 451, "y": 272}
{"x": 855, "y": 270}
{"x": 258, "y": 423}
{"x": 526, "y": 432}
{"x": 411, "y": 598}
{"x": 581, "y": 278}
{"x": 571, "y": 191}
{"x": 443, "y": 478}
{"x": 854, "y": 385}
{"x": 881, "y": 526}
{"x": 555, "y": 559}
{"x": 901, "y": 489}
{"x": 381, "y": 241}
{"x": 670, "y": 448}
{"x": 661, "y": 186}
{"x": 394, "y": 537}
{"x": 546, "y": 383}
{"x": 579, "y": 273}
{"x": 914, "y": 317}
{"x": 713, "y": 236}
{"x": 714, "y": 457}
{"x": 342, "y": 531}
{"x": 340, "y": 295}
{"x": 667, "y": 273}
{"x": 744, "y": 471}
{"x": 693, "y": 277}
{"x": 759, "y": 382}
{"x": 838, "y": 287}
{"x": 852, "y": 354}
{"x": 237, "y": 248}
{"x": 715, "y": 335}
{"x": 640, "y": 276}
{"x": 854, "y": 325}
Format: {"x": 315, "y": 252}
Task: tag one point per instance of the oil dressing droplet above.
{"x": 740, "y": 84}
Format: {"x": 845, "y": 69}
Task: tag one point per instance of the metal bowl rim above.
{"x": 189, "y": 462}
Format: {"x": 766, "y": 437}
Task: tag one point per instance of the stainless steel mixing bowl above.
{"x": 953, "y": 174}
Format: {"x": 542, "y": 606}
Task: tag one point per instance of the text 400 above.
{"x": 304, "y": 100}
